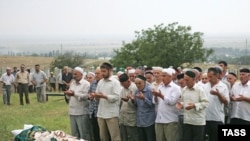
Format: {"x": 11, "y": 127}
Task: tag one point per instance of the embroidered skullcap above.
{"x": 246, "y": 70}
{"x": 141, "y": 77}
{"x": 190, "y": 74}
{"x": 79, "y": 69}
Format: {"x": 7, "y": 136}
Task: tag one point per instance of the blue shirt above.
{"x": 93, "y": 104}
{"x": 145, "y": 108}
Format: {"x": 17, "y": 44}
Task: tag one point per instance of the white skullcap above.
{"x": 91, "y": 73}
{"x": 8, "y": 68}
{"x": 157, "y": 68}
{"x": 169, "y": 71}
{"x": 173, "y": 70}
{"x": 131, "y": 71}
{"x": 79, "y": 69}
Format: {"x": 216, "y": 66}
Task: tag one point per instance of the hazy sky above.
{"x": 35, "y": 18}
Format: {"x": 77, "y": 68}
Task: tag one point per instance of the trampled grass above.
{"x": 52, "y": 115}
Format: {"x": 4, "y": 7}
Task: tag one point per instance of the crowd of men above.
{"x": 153, "y": 104}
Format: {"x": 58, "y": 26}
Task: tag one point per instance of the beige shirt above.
{"x": 128, "y": 109}
{"x": 109, "y": 108}
{"x": 22, "y": 77}
{"x": 196, "y": 95}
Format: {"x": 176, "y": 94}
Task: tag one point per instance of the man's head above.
{"x": 149, "y": 76}
{"x": 244, "y": 75}
{"x": 213, "y": 75}
{"x": 98, "y": 74}
{"x": 37, "y": 67}
{"x": 166, "y": 75}
{"x": 204, "y": 78}
{"x": 124, "y": 80}
{"x": 231, "y": 78}
{"x": 189, "y": 78}
{"x": 140, "y": 82}
{"x": 77, "y": 74}
{"x": 106, "y": 70}
{"x": 223, "y": 64}
{"x": 180, "y": 80}
{"x": 157, "y": 72}
{"x": 8, "y": 70}
{"x": 65, "y": 69}
{"x": 90, "y": 77}
{"x": 22, "y": 67}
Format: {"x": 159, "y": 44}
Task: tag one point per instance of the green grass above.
{"x": 52, "y": 115}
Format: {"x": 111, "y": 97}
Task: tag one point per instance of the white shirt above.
{"x": 78, "y": 104}
{"x": 215, "y": 110}
{"x": 241, "y": 109}
{"x": 196, "y": 95}
{"x": 109, "y": 108}
{"x": 7, "y": 79}
{"x": 166, "y": 109}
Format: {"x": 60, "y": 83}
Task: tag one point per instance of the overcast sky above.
{"x": 36, "y": 18}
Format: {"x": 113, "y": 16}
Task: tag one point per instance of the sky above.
{"x": 119, "y": 18}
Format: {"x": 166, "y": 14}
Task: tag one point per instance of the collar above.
{"x": 169, "y": 85}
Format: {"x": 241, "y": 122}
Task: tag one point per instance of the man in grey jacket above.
{"x": 78, "y": 105}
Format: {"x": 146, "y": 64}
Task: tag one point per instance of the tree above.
{"x": 67, "y": 59}
{"x": 164, "y": 46}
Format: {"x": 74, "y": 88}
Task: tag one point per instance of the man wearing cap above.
{"x": 218, "y": 96}
{"x": 77, "y": 94}
{"x": 131, "y": 74}
{"x": 168, "y": 94}
{"x": 108, "y": 92}
{"x": 193, "y": 101}
{"x": 7, "y": 79}
{"x": 90, "y": 77}
{"x": 145, "y": 112}
{"x": 127, "y": 110}
{"x": 240, "y": 98}
{"x": 22, "y": 79}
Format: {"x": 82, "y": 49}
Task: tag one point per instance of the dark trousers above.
{"x": 94, "y": 129}
{"x": 31, "y": 88}
{"x": 23, "y": 89}
{"x": 193, "y": 132}
{"x": 146, "y": 133}
{"x": 128, "y": 133}
{"x": 211, "y": 129}
{"x": 239, "y": 121}
{"x": 180, "y": 127}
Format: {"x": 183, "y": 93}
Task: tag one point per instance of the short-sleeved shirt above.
{"x": 241, "y": 109}
{"x": 38, "y": 77}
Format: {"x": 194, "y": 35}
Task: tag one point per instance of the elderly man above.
{"x": 128, "y": 110}
{"x": 7, "y": 79}
{"x": 78, "y": 105}
{"x": 193, "y": 101}
{"x": 108, "y": 92}
{"x": 22, "y": 78}
{"x": 145, "y": 111}
{"x": 240, "y": 98}
{"x": 168, "y": 94}
{"x": 39, "y": 81}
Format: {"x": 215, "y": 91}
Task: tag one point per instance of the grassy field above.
{"x": 52, "y": 115}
